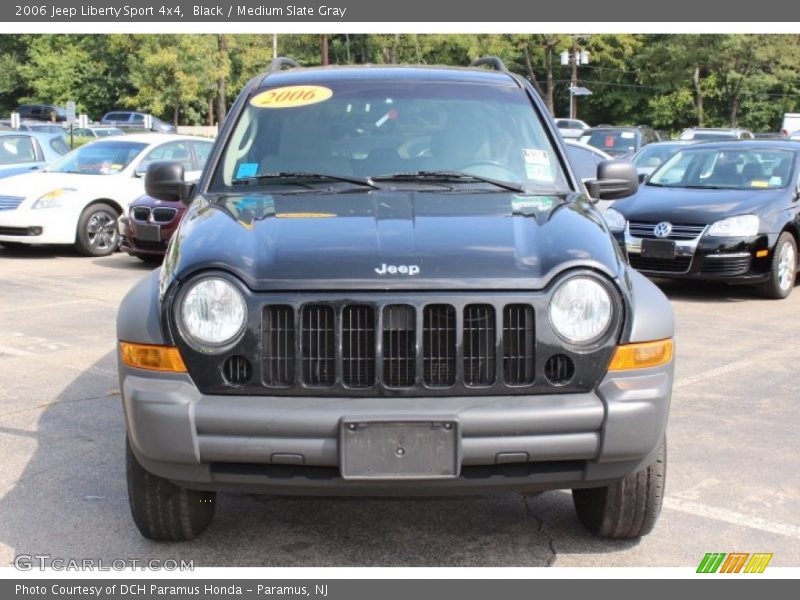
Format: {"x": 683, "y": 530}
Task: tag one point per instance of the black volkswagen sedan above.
{"x": 725, "y": 211}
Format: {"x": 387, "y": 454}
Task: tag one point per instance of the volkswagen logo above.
{"x": 663, "y": 229}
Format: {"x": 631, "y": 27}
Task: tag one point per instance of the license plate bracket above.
{"x": 658, "y": 249}
{"x": 148, "y": 233}
{"x": 399, "y": 449}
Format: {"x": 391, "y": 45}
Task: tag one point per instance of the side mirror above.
{"x": 615, "y": 179}
{"x": 643, "y": 177}
{"x": 165, "y": 181}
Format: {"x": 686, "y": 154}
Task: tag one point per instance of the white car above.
{"x": 77, "y": 199}
{"x": 571, "y": 129}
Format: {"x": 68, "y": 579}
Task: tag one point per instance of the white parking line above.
{"x": 14, "y": 351}
{"x": 728, "y": 516}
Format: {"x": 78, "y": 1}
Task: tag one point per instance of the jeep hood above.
{"x": 391, "y": 240}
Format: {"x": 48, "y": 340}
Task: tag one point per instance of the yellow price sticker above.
{"x": 758, "y": 183}
{"x": 291, "y": 96}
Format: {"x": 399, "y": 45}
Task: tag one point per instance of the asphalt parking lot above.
{"x": 732, "y": 486}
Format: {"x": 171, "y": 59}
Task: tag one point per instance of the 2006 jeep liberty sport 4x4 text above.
{"x": 389, "y": 280}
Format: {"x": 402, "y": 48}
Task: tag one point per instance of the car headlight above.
{"x": 742, "y": 226}
{"x": 213, "y": 314}
{"x": 52, "y": 199}
{"x": 581, "y": 310}
{"x": 614, "y": 220}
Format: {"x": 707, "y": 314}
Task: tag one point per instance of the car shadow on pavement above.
{"x": 708, "y": 291}
{"x": 123, "y": 261}
{"x": 67, "y": 498}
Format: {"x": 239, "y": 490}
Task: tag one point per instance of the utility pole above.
{"x": 324, "y": 49}
{"x": 573, "y": 108}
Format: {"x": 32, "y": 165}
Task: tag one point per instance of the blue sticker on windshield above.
{"x": 246, "y": 170}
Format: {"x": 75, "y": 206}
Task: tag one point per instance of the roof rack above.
{"x": 491, "y": 61}
{"x": 282, "y": 61}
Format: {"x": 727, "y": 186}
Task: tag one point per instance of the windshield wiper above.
{"x": 449, "y": 176}
{"x": 299, "y": 176}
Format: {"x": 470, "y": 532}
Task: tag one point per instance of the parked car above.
{"x": 354, "y": 228}
{"x": 94, "y": 131}
{"x": 584, "y": 160}
{"x": 791, "y": 122}
{"x": 652, "y": 156}
{"x": 148, "y": 225}
{"x": 34, "y": 126}
{"x": 42, "y": 112}
{"x": 22, "y": 151}
{"x": 571, "y": 128}
{"x": 135, "y": 121}
{"x": 619, "y": 142}
{"x": 724, "y": 211}
{"x": 77, "y": 199}
{"x": 715, "y": 134}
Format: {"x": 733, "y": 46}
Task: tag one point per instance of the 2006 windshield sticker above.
{"x": 291, "y": 96}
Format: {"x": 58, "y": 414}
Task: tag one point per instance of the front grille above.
{"x": 319, "y": 362}
{"x": 679, "y": 264}
{"x": 279, "y": 345}
{"x": 518, "y": 342}
{"x": 679, "y": 232}
{"x": 358, "y": 346}
{"x": 396, "y": 346}
{"x": 479, "y": 345}
{"x": 399, "y": 345}
{"x": 725, "y": 265}
{"x": 164, "y": 214}
{"x": 10, "y": 202}
{"x": 23, "y": 231}
{"x": 140, "y": 213}
{"x": 439, "y": 345}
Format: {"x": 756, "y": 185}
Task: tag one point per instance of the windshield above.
{"x": 16, "y": 150}
{"x": 369, "y": 129}
{"x": 611, "y": 141}
{"x": 725, "y": 168}
{"x": 98, "y": 158}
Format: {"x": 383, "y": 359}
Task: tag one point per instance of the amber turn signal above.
{"x": 641, "y": 356}
{"x": 153, "y": 358}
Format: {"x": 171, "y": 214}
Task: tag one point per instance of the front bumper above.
{"x": 128, "y": 242}
{"x": 729, "y": 260}
{"x": 291, "y": 444}
{"x": 42, "y": 226}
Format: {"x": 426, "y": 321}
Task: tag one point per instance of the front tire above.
{"x": 628, "y": 508}
{"x": 163, "y": 511}
{"x": 783, "y": 269}
{"x": 97, "y": 233}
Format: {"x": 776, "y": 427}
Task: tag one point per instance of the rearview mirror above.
{"x": 164, "y": 180}
{"x": 615, "y": 179}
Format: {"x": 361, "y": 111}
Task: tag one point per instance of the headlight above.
{"x": 52, "y": 199}
{"x": 581, "y": 310}
{"x": 743, "y": 226}
{"x": 614, "y": 220}
{"x": 212, "y": 314}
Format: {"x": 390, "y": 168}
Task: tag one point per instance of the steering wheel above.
{"x": 512, "y": 176}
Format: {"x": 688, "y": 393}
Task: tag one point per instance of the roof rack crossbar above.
{"x": 282, "y": 61}
{"x": 491, "y": 61}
